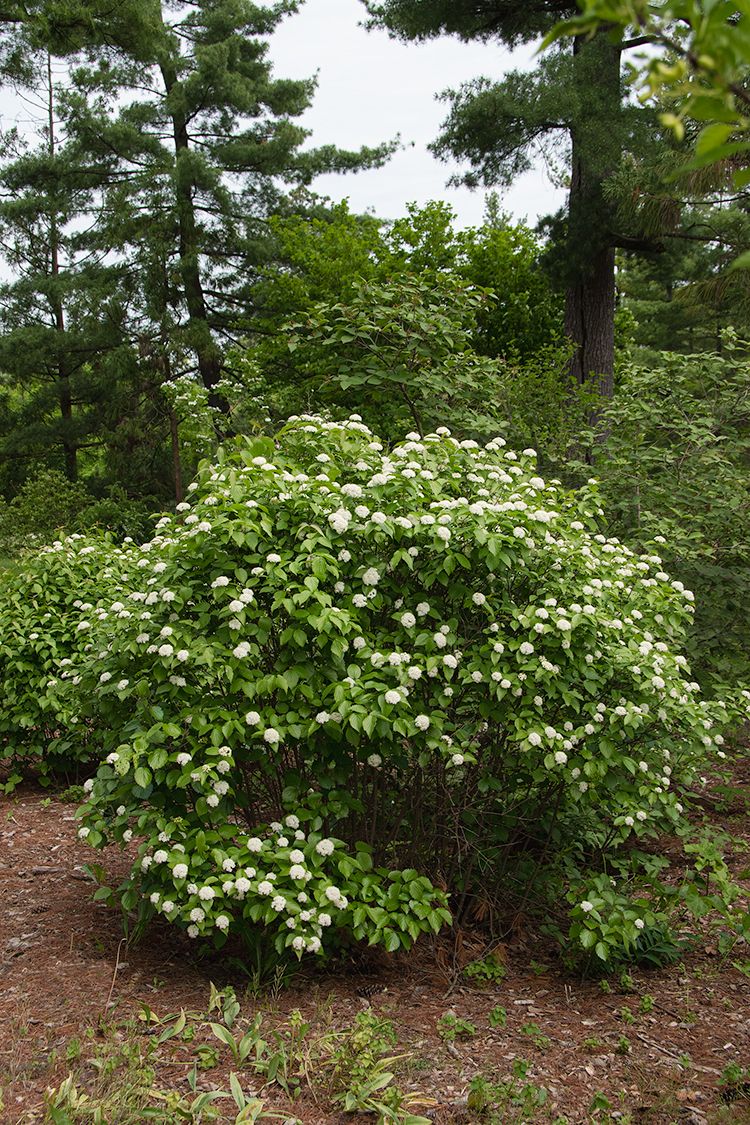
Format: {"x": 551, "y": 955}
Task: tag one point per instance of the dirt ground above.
{"x": 64, "y": 969}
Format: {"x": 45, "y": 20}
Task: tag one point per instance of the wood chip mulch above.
{"x": 59, "y": 950}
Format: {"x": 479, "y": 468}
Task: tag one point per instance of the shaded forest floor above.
{"x": 74, "y": 1000}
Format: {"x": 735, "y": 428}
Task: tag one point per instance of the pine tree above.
{"x": 194, "y": 143}
{"x": 683, "y": 298}
{"x": 62, "y": 313}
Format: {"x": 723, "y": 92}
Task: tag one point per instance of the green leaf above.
{"x": 392, "y": 941}
{"x": 174, "y": 1029}
{"x": 712, "y": 137}
{"x": 222, "y": 1033}
{"x": 142, "y": 777}
{"x": 742, "y": 262}
{"x": 237, "y": 1092}
{"x": 158, "y": 758}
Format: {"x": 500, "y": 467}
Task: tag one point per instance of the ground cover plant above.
{"x": 343, "y": 681}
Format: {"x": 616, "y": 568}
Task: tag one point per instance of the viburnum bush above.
{"x": 344, "y": 680}
{"x": 43, "y": 633}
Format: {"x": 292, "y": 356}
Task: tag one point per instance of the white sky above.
{"x": 372, "y": 88}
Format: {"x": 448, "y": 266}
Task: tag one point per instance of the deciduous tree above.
{"x": 571, "y": 104}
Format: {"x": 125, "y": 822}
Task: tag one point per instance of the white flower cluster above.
{"x": 281, "y": 868}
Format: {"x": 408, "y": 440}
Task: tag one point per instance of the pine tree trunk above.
{"x": 208, "y": 354}
{"x": 590, "y": 294}
{"x": 64, "y": 396}
{"x": 590, "y": 322}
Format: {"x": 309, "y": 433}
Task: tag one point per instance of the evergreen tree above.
{"x": 63, "y": 343}
{"x": 685, "y": 290}
{"x": 194, "y": 145}
{"x": 683, "y": 298}
{"x": 700, "y": 58}
{"x": 61, "y": 27}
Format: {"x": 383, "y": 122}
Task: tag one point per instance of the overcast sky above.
{"x": 372, "y": 88}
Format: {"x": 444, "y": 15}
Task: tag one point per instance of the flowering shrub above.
{"x": 339, "y": 666}
{"x": 43, "y": 633}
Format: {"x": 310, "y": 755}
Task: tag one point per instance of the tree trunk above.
{"x": 590, "y": 322}
{"x": 596, "y": 150}
{"x": 64, "y": 396}
{"x": 208, "y": 354}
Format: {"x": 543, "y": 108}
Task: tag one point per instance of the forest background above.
{"x": 172, "y": 280}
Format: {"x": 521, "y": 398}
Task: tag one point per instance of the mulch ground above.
{"x": 63, "y": 970}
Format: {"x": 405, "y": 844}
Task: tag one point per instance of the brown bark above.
{"x": 208, "y": 354}
{"x": 590, "y": 324}
{"x": 590, "y": 294}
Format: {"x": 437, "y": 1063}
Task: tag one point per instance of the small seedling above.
{"x": 646, "y": 1004}
{"x": 488, "y": 970}
{"x": 627, "y": 984}
{"x": 600, "y": 1101}
{"x": 623, "y": 1045}
{"x": 206, "y": 1056}
{"x": 73, "y": 795}
{"x": 536, "y": 1035}
{"x": 498, "y": 1017}
{"x": 734, "y": 1083}
{"x": 512, "y": 1094}
{"x": 73, "y": 1050}
{"x": 451, "y": 1027}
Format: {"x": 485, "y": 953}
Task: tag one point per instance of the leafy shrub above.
{"x": 609, "y": 924}
{"x": 526, "y": 313}
{"x": 49, "y": 504}
{"x": 403, "y": 353}
{"x": 674, "y": 474}
{"x": 122, "y": 516}
{"x": 42, "y": 635}
{"x": 341, "y": 667}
